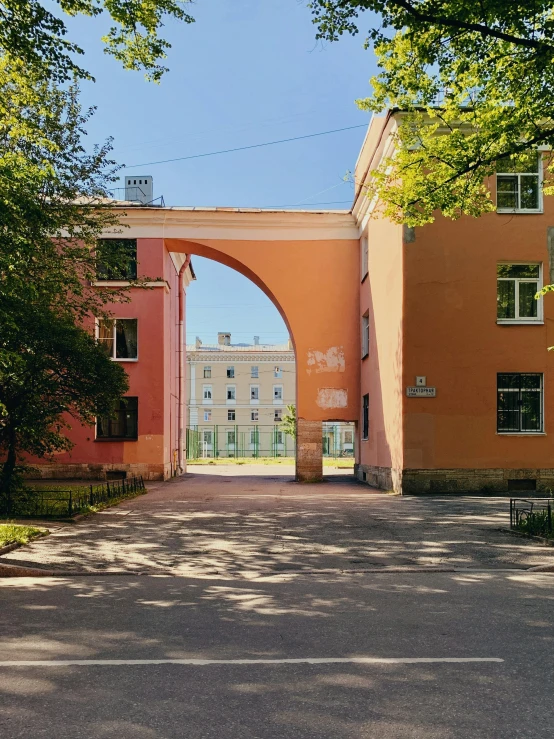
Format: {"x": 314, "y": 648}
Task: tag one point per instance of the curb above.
{"x": 541, "y": 539}
{"x": 18, "y": 571}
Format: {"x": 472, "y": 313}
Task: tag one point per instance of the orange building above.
{"x": 429, "y": 339}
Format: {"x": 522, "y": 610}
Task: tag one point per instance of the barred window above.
{"x": 519, "y": 402}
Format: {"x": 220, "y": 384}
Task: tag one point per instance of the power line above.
{"x": 243, "y": 148}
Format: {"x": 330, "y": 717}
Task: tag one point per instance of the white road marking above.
{"x": 204, "y": 662}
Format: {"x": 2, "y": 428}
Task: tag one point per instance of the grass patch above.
{"x": 11, "y": 533}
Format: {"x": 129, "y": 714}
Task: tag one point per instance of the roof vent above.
{"x": 224, "y": 339}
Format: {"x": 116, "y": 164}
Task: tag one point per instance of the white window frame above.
{"x": 277, "y": 400}
{"x": 254, "y": 372}
{"x": 114, "y": 339}
{"x": 364, "y": 257}
{"x": 234, "y": 412}
{"x": 207, "y": 368}
{"x": 231, "y": 372}
{"x": 278, "y": 372}
{"x": 254, "y": 400}
{"x": 207, "y": 416}
{"x": 539, "y": 173}
{"x": 257, "y": 412}
{"x": 280, "y": 412}
{"x": 365, "y": 335}
{"x": 539, "y": 318}
{"x": 207, "y": 394}
{"x": 233, "y": 390}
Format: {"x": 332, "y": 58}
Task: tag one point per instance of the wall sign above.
{"x": 421, "y": 392}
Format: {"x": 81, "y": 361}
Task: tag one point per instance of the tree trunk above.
{"x": 7, "y": 479}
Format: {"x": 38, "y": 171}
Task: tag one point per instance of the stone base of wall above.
{"x": 384, "y": 478}
{"x": 484, "y": 482}
{"x": 309, "y": 450}
{"x": 53, "y": 471}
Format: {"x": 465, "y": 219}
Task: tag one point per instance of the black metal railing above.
{"x": 59, "y": 503}
{"x": 532, "y": 516}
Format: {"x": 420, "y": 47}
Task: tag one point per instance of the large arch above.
{"x": 309, "y": 268}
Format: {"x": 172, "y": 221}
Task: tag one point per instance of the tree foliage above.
{"x": 475, "y": 82}
{"x": 53, "y": 207}
{"x": 31, "y": 32}
{"x": 288, "y": 424}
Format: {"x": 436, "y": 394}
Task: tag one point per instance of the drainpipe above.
{"x": 181, "y": 389}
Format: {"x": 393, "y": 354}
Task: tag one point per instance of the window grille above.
{"x": 519, "y": 402}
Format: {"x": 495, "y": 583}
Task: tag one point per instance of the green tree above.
{"x": 474, "y": 82}
{"x": 31, "y": 32}
{"x": 288, "y": 424}
{"x": 50, "y": 370}
{"x": 53, "y": 207}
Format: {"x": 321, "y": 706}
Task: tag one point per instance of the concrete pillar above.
{"x": 309, "y": 450}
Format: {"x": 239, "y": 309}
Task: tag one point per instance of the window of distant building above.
{"x": 519, "y": 402}
{"x": 277, "y": 393}
{"x": 278, "y": 372}
{"x": 230, "y": 371}
{"x": 278, "y": 414}
{"x": 207, "y": 415}
{"x": 207, "y": 394}
{"x": 231, "y": 392}
{"x": 207, "y": 372}
{"x": 231, "y": 415}
{"x": 254, "y": 371}
{"x": 516, "y": 287}
{"x": 254, "y": 415}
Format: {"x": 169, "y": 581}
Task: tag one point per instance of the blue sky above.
{"x": 246, "y": 72}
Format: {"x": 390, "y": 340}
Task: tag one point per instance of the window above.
{"x": 208, "y": 437}
{"x": 118, "y": 336}
{"x": 278, "y": 372}
{"x": 254, "y": 415}
{"x": 365, "y": 335}
{"x": 254, "y": 392}
{"x": 365, "y": 417}
{"x": 516, "y": 287}
{"x": 519, "y": 402}
{"x": 231, "y": 392}
{"x": 364, "y": 256}
{"x": 348, "y": 437}
{"x": 207, "y": 415}
{"x": 206, "y": 392}
{"x": 207, "y": 372}
{"x": 254, "y": 436}
{"x": 517, "y": 183}
{"x": 230, "y": 438}
{"x": 230, "y": 371}
{"x": 278, "y": 414}
{"x": 254, "y": 372}
{"x": 231, "y": 415}
{"x": 278, "y": 437}
{"x": 277, "y": 393}
{"x": 122, "y": 424}
{"x": 116, "y": 259}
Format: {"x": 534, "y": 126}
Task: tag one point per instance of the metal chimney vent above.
{"x": 139, "y": 189}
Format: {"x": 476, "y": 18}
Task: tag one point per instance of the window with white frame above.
{"x": 364, "y": 256}
{"x": 518, "y": 183}
{"x": 365, "y": 335}
{"x": 278, "y": 414}
{"x": 231, "y": 392}
{"x": 279, "y": 438}
{"x": 207, "y": 415}
{"x": 277, "y": 372}
{"x": 230, "y": 371}
{"x": 230, "y": 437}
{"x": 231, "y": 415}
{"x": 277, "y": 393}
{"x": 517, "y": 285}
{"x": 348, "y": 437}
{"x": 208, "y": 437}
{"x": 255, "y": 415}
{"x": 254, "y": 371}
{"x": 254, "y": 436}
{"x": 206, "y": 393}
{"x": 519, "y": 402}
{"x": 207, "y": 372}
{"x": 118, "y": 336}
{"x": 254, "y": 392}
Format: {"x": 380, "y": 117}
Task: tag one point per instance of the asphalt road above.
{"x": 495, "y": 615}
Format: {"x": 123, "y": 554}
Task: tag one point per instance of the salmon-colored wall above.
{"x": 149, "y": 377}
{"x": 381, "y": 373}
{"x": 313, "y": 284}
{"x": 451, "y": 336}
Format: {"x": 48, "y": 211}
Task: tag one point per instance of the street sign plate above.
{"x": 421, "y": 392}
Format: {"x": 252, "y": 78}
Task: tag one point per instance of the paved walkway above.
{"x": 218, "y": 521}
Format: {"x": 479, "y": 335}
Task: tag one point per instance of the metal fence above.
{"x": 532, "y": 516}
{"x": 234, "y": 440}
{"x": 59, "y": 503}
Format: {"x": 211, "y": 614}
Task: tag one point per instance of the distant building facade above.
{"x": 237, "y": 396}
